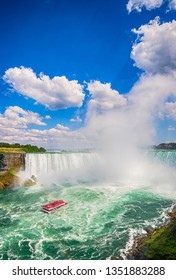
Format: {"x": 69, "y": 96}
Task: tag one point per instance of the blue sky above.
{"x": 84, "y": 42}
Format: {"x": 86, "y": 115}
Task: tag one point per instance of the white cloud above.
{"x": 171, "y": 128}
{"x": 59, "y": 137}
{"x": 77, "y": 119}
{"x": 155, "y": 50}
{"x": 171, "y": 110}
{"x": 172, "y": 5}
{"x": 139, "y": 4}
{"x": 61, "y": 127}
{"x": 15, "y": 128}
{"x": 48, "y": 117}
{"x": 16, "y": 117}
{"x": 103, "y": 97}
{"x": 56, "y": 93}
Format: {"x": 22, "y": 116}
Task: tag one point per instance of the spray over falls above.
{"x": 151, "y": 166}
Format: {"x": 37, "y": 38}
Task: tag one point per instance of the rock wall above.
{"x": 12, "y": 160}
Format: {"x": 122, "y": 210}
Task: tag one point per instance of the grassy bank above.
{"x": 10, "y": 150}
{"x": 161, "y": 245}
{"x": 157, "y": 245}
{"x": 16, "y": 148}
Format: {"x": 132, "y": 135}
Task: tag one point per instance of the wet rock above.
{"x": 172, "y": 215}
{"x": 115, "y": 258}
{"x": 136, "y": 253}
{"x": 174, "y": 208}
{"x": 149, "y": 231}
{"x": 30, "y": 182}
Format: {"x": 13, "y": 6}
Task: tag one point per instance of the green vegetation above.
{"x": 162, "y": 244}
{"x": 166, "y": 146}
{"x": 158, "y": 244}
{"x": 15, "y": 148}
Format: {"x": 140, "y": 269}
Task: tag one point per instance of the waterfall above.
{"x": 44, "y": 163}
{"x": 167, "y": 157}
{"x": 53, "y": 167}
{"x": 37, "y": 163}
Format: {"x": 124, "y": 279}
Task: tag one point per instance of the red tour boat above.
{"x": 53, "y": 206}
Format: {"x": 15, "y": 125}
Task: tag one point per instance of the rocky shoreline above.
{"x": 156, "y": 244}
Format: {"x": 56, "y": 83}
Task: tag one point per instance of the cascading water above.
{"x": 61, "y": 167}
{"x": 56, "y": 162}
{"x": 167, "y": 157}
{"x": 100, "y": 220}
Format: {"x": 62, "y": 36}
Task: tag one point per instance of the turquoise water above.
{"x": 98, "y": 222}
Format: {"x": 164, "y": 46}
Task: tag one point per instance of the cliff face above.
{"x": 12, "y": 160}
{"x": 10, "y": 163}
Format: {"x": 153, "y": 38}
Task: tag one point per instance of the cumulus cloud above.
{"x": 171, "y": 128}
{"x": 58, "y": 137}
{"x": 154, "y": 50}
{"x": 77, "y": 119}
{"x": 15, "y": 127}
{"x": 139, "y": 4}
{"x": 171, "y": 110}
{"x": 55, "y": 93}
{"x": 103, "y": 97}
{"x": 61, "y": 127}
{"x": 172, "y": 5}
{"x": 16, "y": 117}
{"x": 48, "y": 117}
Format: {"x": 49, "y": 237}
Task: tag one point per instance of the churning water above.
{"x": 100, "y": 220}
